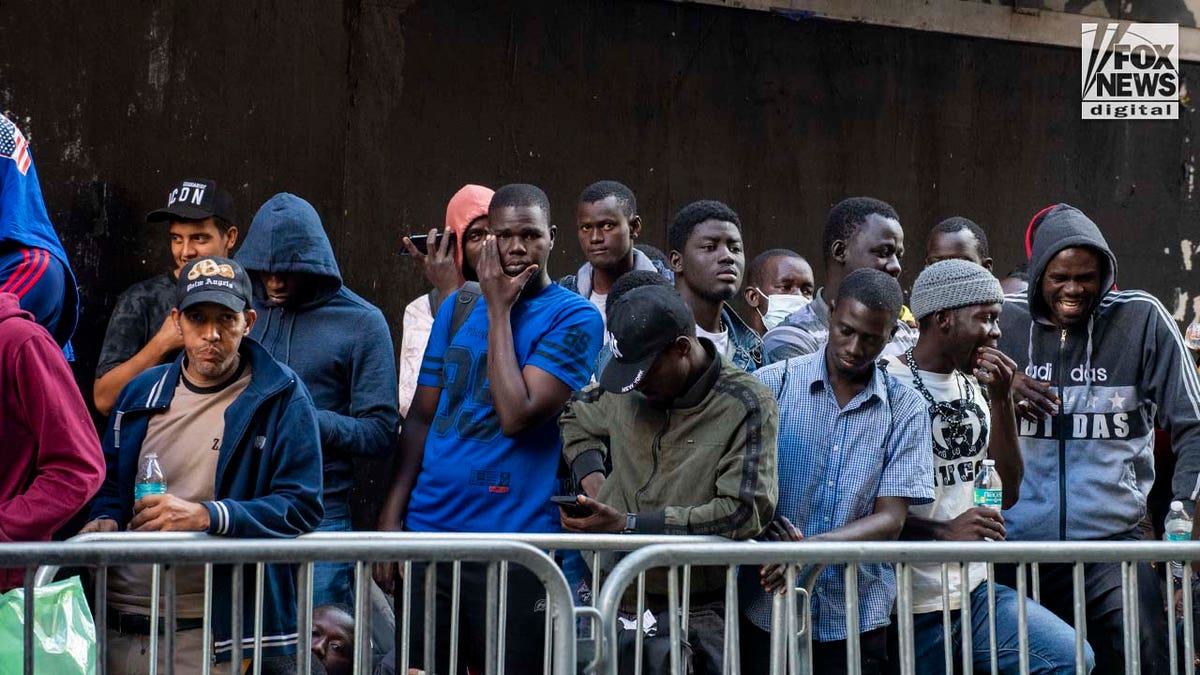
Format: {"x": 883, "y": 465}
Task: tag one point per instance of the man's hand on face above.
{"x": 604, "y": 519}
{"x": 975, "y": 524}
{"x": 499, "y": 289}
{"x": 168, "y": 513}
{"x": 440, "y": 268}
{"x": 1035, "y": 399}
{"x": 168, "y": 337}
{"x": 995, "y": 371}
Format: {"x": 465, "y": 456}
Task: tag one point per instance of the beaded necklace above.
{"x": 957, "y": 432}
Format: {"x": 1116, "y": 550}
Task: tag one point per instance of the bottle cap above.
{"x": 989, "y": 462}
{"x": 1176, "y": 505}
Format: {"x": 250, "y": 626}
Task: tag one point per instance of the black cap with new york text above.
{"x": 643, "y": 323}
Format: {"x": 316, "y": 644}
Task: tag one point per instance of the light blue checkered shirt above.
{"x": 833, "y": 463}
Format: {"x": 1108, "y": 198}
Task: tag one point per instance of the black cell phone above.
{"x": 421, "y": 241}
{"x": 571, "y": 507}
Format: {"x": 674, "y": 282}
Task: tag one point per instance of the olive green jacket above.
{"x": 704, "y": 465}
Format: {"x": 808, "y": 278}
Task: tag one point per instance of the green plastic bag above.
{"x": 64, "y": 635}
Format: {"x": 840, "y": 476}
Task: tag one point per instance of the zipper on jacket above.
{"x": 240, "y": 434}
{"x": 1062, "y": 441}
{"x": 655, "y": 446}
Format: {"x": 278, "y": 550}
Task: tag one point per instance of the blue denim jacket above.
{"x": 747, "y": 345}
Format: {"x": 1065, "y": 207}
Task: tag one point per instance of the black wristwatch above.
{"x": 630, "y": 523}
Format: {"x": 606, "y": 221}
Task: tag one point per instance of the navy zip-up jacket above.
{"x": 268, "y": 481}
{"x": 337, "y": 342}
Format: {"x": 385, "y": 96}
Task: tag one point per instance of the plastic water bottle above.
{"x": 150, "y": 480}
{"x": 1178, "y": 527}
{"x": 988, "y": 491}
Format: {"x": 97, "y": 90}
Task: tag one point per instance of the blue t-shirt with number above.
{"x": 473, "y": 477}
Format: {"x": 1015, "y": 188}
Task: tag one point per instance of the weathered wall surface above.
{"x": 378, "y": 111}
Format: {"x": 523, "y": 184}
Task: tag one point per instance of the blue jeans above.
{"x": 1051, "y": 641}
{"x": 333, "y": 582}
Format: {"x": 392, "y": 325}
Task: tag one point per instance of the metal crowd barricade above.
{"x": 795, "y": 657}
{"x": 790, "y": 649}
{"x": 602, "y": 548}
{"x": 166, "y": 551}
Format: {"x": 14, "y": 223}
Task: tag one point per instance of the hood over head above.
{"x": 1065, "y": 226}
{"x": 286, "y": 236}
{"x": 1034, "y": 223}
{"x": 469, "y": 203}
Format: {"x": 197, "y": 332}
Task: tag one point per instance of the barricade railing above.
{"x": 164, "y": 552}
{"x": 602, "y": 549}
{"x": 790, "y": 649}
{"x": 903, "y": 555}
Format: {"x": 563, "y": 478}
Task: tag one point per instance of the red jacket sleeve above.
{"x": 69, "y": 465}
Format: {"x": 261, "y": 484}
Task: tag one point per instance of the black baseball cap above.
{"x": 643, "y": 322}
{"x": 195, "y": 199}
{"x": 219, "y": 280}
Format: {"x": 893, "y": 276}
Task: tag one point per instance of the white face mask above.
{"x": 779, "y": 306}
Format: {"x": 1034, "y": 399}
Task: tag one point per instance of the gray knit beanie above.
{"x": 951, "y": 284}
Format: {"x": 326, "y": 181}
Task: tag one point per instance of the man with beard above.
{"x": 860, "y": 233}
{"x": 958, "y": 305}
{"x": 707, "y": 257}
{"x": 480, "y": 449}
{"x": 853, "y": 455}
{"x": 199, "y": 218}
{"x": 236, "y": 436}
{"x": 1101, "y": 368}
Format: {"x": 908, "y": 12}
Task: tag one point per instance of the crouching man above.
{"x": 236, "y": 436}
{"x": 668, "y": 412}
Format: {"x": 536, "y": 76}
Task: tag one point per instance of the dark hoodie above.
{"x": 1089, "y": 468}
{"x": 338, "y": 343}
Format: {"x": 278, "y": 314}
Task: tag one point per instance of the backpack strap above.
{"x": 468, "y": 295}
{"x": 435, "y": 300}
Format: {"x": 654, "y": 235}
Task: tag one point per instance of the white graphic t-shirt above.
{"x": 959, "y": 446}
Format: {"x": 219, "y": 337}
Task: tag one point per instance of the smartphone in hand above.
{"x": 422, "y": 242}
{"x": 571, "y": 507}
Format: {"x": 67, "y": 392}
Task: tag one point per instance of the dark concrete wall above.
{"x": 378, "y": 111}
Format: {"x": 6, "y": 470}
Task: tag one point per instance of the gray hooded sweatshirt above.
{"x": 1089, "y": 468}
